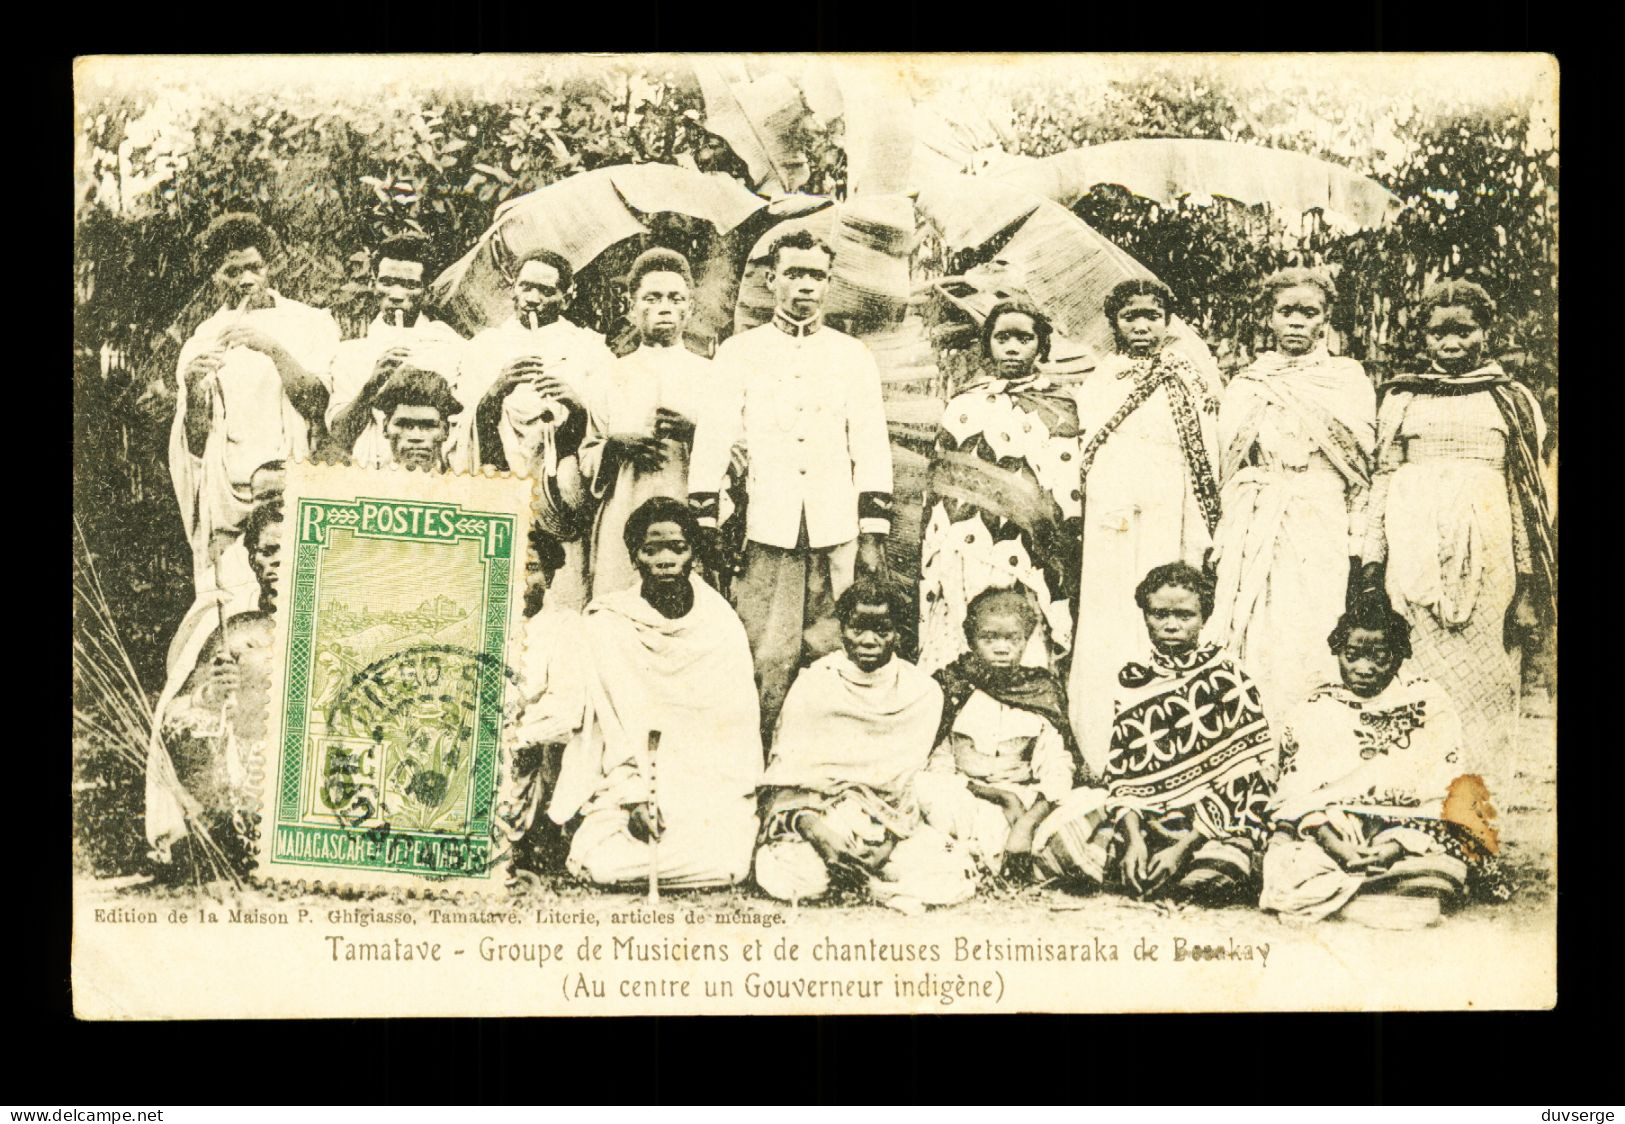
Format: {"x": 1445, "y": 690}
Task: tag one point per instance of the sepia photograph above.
{"x": 814, "y": 534}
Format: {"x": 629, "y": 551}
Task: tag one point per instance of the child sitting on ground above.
{"x": 1003, "y": 759}
{"x": 839, "y": 798}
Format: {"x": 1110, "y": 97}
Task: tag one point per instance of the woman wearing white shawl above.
{"x": 667, "y": 657}
{"x": 1297, "y": 430}
{"x": 1371, "y": 772}
{"x": 856, "y": 728}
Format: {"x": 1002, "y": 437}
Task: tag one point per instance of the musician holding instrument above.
{"x": 526, "y": 381}
{"x": 249, "y": 389}
{"x": 664, "y": 773}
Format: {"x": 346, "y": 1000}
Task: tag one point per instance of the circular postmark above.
{"x": 413, "y": 741}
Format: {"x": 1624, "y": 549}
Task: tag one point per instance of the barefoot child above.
{"x": 839, "y": 799}
{"x": 1003, "y": 759}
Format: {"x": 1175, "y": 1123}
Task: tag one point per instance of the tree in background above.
{"x": 1480, "y": 189}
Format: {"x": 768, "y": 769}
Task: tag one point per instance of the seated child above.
{"x": 1186, "y": 775}
{"x": 838, "y": 797}
{"x": 1371, "y": 785}
{"x": 1003, "y": 760}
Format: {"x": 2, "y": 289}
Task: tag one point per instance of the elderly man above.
{"x": 528, "y": 380}
{"x": 250, "y": 389}
{"x": 402, "y": 332}
{"x": 805, "y": 399}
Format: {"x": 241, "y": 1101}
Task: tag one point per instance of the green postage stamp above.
{"x": 395, "y": 638}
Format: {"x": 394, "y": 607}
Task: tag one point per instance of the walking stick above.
{"x": 654, "y": 821}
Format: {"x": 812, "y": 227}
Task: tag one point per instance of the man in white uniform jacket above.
{"x": 249, "y": 390}
{"x": 402, "y": 332}
{"x": 805, "y": 398}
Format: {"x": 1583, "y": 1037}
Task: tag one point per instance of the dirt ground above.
{"x": 1527, "y": 825}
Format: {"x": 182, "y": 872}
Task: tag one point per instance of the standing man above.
{"x": 805, "y": 399}
{"x": 250, "y": 389}
{"x": 641, "y": 414}
{"x": 527, "y": 381}
{"x": 402, "y": 332}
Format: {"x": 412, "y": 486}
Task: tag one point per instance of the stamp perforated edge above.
{"x": 265, "y": 759}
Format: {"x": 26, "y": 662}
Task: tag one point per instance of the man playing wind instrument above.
{"x": 250, "y": 390}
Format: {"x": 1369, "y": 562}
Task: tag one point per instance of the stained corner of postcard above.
{"x": 392, "y": 673}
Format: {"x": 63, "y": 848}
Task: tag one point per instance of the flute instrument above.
{"x": 654, "y": 819}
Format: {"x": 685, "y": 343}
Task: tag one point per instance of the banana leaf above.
{"x": 581, "y": 217}
{"x": 758, "y": 117}
{"x": 1049, "y": 255}
{"x": 872, "y": 236}
{"x": 878, "y": 127}
{"x": 1165, "y": 170}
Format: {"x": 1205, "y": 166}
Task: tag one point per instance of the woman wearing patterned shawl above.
{"x": 1370, "y": 773}
{"x": 1001, "y": 501}
{"x": 1187, "y": 778}
{"x": 1297, "y": 431}
{"x": 1149, "y": 418}
{"x": 1458, "y": 519}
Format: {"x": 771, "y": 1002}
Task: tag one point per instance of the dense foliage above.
{"x": 1479, "y": 187}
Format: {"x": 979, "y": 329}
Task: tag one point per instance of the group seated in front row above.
{"x": 885, "y": 781}
{"x": 1372, "y": 805}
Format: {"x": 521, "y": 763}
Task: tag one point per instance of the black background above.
{"x": 1567, "y": 1057}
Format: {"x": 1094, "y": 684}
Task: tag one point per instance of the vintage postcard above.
{"x": 613, "y": 535}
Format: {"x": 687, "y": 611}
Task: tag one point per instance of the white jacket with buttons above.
{"x": 808, "y": 408}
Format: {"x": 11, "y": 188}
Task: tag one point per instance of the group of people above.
{"x": 1160, "y": 620}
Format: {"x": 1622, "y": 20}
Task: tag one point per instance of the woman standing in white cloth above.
{"x": 1296, "y": 430}
{"x": 1148, "y": 417}
{"x": 1458, "y": 529}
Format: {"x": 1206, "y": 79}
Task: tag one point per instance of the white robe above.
{"x": 625, "y": 401}
{"x": 1140, "y": 511}
{"x": 691, "y": 680}
{"x": 432, "y": 346}
{"x": 251, "y": 422}
{"x": 576, "y": 357}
